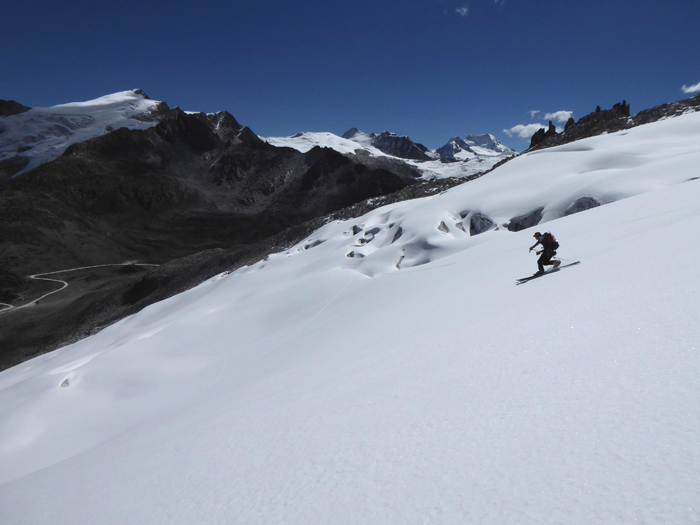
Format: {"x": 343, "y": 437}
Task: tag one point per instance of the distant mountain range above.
{"x": 34, "y": 136}
{"x": 458, "y": 158}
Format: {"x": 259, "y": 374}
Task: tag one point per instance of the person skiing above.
{"x": 549, "y": 250}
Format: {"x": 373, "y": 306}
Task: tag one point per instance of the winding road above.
{"x": 40, "y": 277}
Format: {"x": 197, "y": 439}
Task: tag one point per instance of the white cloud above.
{"x": 533, "y": 112}
{"x": 524, "y": 131}
{"x": 559, "y": 116}
{"x": 499, "y": 2}
{"x": 691, "y": 89}
{"x": 462, "y": 11}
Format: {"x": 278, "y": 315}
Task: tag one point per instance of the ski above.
{"x": 537, "y": 276}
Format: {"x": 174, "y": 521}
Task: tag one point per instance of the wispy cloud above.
{"x": 559, "y": 116}
{"x": 533, "y": 112}
{"x": 691, "y": 89}
{"x": 462, "y": 11}
{"x": 499, "y": 2}
{"x": 524, "y": 131}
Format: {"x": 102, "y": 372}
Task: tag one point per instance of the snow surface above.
{"x": 326, "y": 385}
{"x": 43, "y": 134}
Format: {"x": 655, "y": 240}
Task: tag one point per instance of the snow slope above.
{"x": 318, "y": 387}
{"x": 43, "y": 134}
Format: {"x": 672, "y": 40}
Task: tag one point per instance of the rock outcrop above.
{"x": 10, "y": 107}
{"x": 610, "y": 120}
{"x": 390, "y": 143}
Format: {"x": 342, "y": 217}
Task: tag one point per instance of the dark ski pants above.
{"x": 546, "y": 258}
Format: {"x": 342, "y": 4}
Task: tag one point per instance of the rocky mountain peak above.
{"x": 389, "y": 143}
{"x": 610, "y": 120}
{"x": 11, "y": 107}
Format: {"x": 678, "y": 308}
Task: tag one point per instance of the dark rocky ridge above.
{"x": 392, "y": 144}
{"x": 11, "y": 107}
{"x": 609, "y": 121}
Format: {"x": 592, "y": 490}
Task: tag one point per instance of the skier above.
{"x": 549, "y": 250}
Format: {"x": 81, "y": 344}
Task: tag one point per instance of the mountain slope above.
{"x": 320, "y": 386}
{"x": 190, "y": 183}
{"x": 474, "y": 146}
{"x": 40, "y": 135}
{"x": 390, "y": 144}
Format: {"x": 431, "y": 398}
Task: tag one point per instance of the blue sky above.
{"x": 431, "y": 69}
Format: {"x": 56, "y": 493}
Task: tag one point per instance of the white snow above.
{"x": 43, "y": 134}
{"x": 305, "y": 141}
{"x": 470, "y": 163}
{"x": 314, "y": 387}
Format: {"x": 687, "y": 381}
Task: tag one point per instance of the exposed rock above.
{"x": 525, "y": 221}
{"x": 582, "y": 204}
{"x": 9, "y": 167}
{"x": 454, "y": 145}
{"x": 479, "y": 223}
{"x": 537, "y": 138}
{"x": 392, "y": 144}
{"x": 486, "y": 141}
{"x": 611, "y": 120}
{"x": 11, "y": 107}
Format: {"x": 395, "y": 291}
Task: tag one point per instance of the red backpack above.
{"x": 550, "y": 241}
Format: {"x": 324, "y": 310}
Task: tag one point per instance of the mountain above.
{"x": 387, "y": 369}
{"x": 457, "y": 159}
{"x": 166, "y": 185}
{"x": 39, "y": 135}
{"x": 488, "y": 144}
{"x": 390, "y": 143}
{"x": 11, "y": 107}
{"x": 474, "y": 146}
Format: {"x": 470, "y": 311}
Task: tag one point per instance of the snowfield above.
{"x": 43, "y": 134}
{"x": 388, "y": 370}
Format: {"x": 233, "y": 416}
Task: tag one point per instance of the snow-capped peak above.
{"x": 42, "y": 134}
{"x": 360, "y": 137}
{"x": 487, "y": 141}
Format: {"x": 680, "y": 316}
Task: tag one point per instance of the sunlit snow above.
{"x": 387, "y": 370}
{"x": 43, "y": 134}
{"x": 470, "y": 163}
